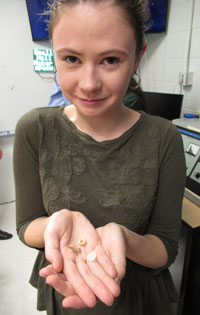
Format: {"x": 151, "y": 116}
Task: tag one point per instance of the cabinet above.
{"x": 189, "y": 303}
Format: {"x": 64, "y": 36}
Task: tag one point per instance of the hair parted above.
{"x": 136, "y": 11}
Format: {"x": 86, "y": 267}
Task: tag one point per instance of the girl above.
{"x": 99, "y": 186}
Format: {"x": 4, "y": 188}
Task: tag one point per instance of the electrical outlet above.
{"x": 186, "y": 78}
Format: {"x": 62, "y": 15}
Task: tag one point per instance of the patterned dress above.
{"x": 136, "y": 180}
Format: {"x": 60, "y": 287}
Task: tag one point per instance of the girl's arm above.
{"x": 34, "y": 233}
{"x": 146, "y": 250}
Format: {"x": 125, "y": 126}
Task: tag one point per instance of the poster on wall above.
{"x": 43, "y": 60}
{"x": 38, "y": 20}
{"x": 158, "y": 10}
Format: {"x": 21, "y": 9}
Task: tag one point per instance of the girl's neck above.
{"x": 105, "y": 127}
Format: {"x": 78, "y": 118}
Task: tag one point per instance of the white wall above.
{"x": 20, "y": 87}
{"x": 165, "y": 56}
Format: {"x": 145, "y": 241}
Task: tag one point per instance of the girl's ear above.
{"x": 139, "y": 58}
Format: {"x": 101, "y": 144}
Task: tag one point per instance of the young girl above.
{"x": 99, "y": 186}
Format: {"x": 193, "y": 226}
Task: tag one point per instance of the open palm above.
{"x": 84, "y": 280}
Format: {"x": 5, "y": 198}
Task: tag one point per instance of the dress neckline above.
{"x": 88, "y": 137}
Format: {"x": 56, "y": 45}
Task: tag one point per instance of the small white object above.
{"x": 186, "y": 78}
{"x": 91, "y": 256}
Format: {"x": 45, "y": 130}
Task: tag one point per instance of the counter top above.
{"x": 191, "y": 213}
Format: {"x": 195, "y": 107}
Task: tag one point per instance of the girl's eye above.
{"x": 72, "y": 59}
{"x": 111, "y": 60}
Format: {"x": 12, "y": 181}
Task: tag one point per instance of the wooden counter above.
{"x": 189, "y": 302}
{"x": 191, "y": 213}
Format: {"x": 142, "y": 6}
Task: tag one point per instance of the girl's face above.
{"x": 95, "y": 56}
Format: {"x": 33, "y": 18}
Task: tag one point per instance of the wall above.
{"x": 165, "y": 56}
{"x": 21, "y": 88}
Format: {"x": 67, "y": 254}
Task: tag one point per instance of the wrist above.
{"x": 132, "y": 242}
{"x": 34, "y": 234}
{"x": 124, "y": 231}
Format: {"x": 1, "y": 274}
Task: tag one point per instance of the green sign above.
{"x": 43, "y": 60}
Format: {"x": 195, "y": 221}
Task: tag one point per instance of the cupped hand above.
{"x": 63, "y": 250}
{"x": 59, "y": 282}
{"x": 113, "y": 242}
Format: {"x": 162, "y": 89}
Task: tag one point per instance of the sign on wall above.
{"x": 43, "y": 60}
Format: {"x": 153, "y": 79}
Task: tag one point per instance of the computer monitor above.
{"x": 163, "y": 104}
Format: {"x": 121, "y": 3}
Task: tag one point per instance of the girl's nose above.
{"x": 89, "y": 80}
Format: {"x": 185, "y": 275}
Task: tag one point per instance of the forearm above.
{"x": 34, "y": 234}
{"x": 146, "y": 250}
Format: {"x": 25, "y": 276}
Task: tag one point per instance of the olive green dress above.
{"x": 136, "y": 180}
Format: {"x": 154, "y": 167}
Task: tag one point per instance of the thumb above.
{"x": 55, "y": 258}
{"x": 52, "y": 251}
{"x": 118, "y": 256}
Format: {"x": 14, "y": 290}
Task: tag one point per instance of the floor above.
{"x": 17, "y": 296}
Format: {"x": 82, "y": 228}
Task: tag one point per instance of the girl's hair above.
{"x": 136, "y": 11}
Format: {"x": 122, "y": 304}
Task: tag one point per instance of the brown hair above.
{"x": 135, "y": 10}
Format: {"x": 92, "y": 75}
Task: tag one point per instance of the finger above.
{"x": 99, "y": 272}
{"x": 106, "y": 262}
{"x": 65, "y": 289}
{"x": 46, "y": 271}
{"x": 73, "y": 301}
{"x": 74, "y": 277}
{"x": 61, "y": 286}
{"x": 49, "y": 270}
{"x": 99, "y": 289}
{"x": 59, "y": 283}
{"x": 116, "y": 250}
{"x": 119, "y": 261}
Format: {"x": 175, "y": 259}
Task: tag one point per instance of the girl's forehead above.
{"x": 94, "y": 22}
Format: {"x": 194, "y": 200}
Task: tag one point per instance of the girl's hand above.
{"x": 59, "y": 282}
{"x": 89, "y": 279}
{"x": 113, "y": 242}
